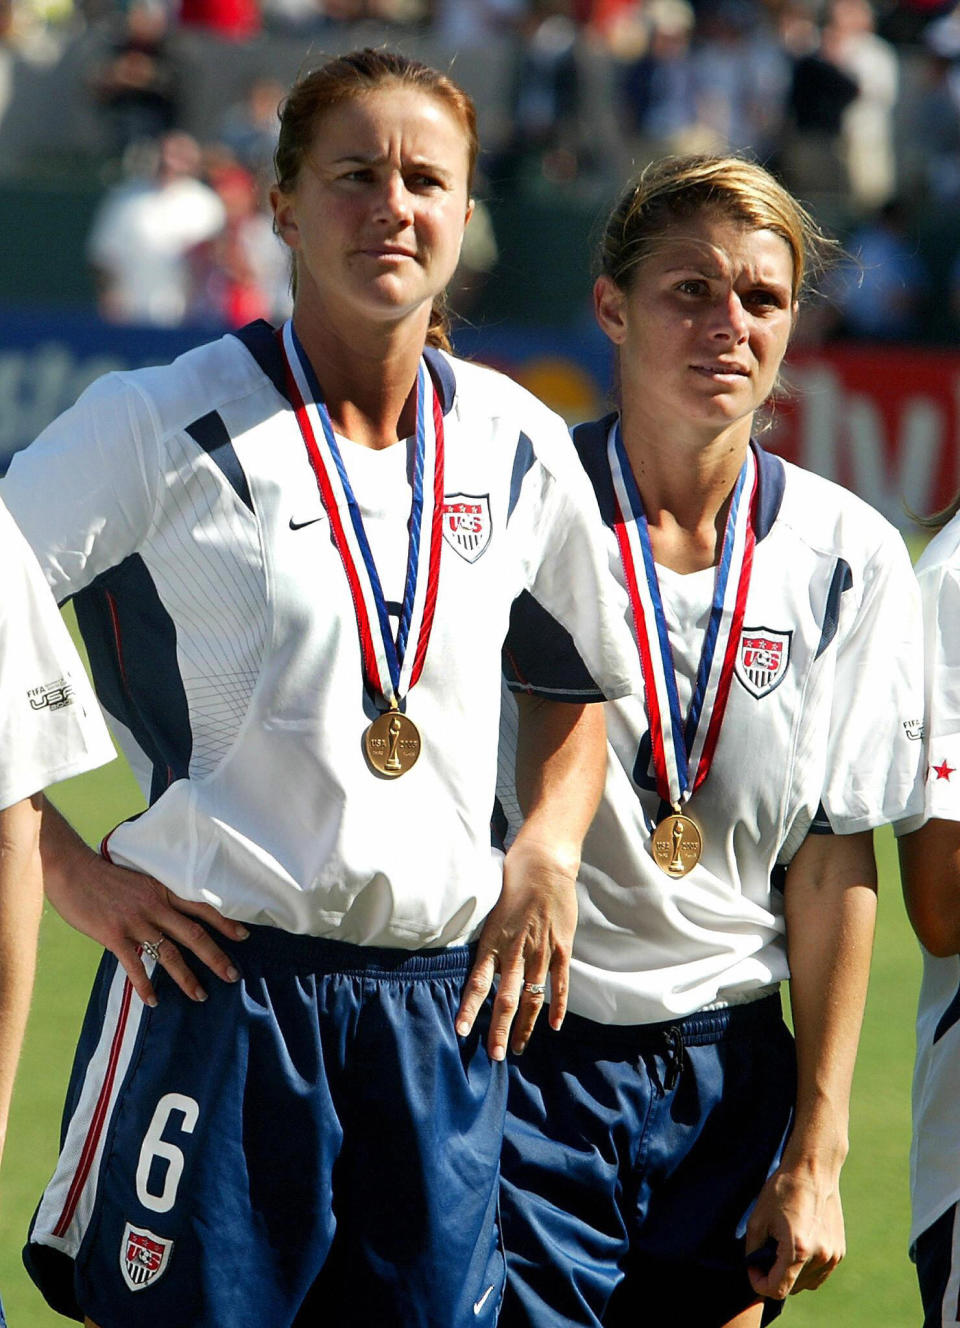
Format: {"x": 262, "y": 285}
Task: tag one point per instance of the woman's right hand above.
{"x": 122, "y": 910}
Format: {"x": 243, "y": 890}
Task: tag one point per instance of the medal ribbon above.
{"x": 682, "y": 751}
{"x": 390, "y": 666}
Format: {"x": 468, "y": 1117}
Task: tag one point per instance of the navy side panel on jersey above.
{"x": 132, "y": 644}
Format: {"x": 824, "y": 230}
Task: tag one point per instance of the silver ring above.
{"x": 535, "y": 988}
{"x": 152, "y": 948}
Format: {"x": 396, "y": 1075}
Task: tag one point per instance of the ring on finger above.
{"x": 535, "y": 988}
{"x": 152, "y": 948}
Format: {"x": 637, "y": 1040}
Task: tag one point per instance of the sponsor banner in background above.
{"x": 883, "y": 421}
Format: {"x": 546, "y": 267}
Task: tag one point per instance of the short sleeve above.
{"x": 540, "y": 657}
{"x": 940, "y": 774}
{"x": 874, "y": 751}
{"x": 50, "y": 725}
{"x": 574, "y": 582}
{"x": 83, "y": 493}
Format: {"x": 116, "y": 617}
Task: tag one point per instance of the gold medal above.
{"x": 676, "y": 845}
{"x": 392, "y": 743}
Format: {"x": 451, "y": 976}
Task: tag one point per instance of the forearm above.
{"x": 561, "y": 766}
{"x": 21, "y": 895}
{"x": 66, "y": 858}
{"x": 528, "y": 936}
{"x": 930, "y": 871}
{"x": 830, "y": 903}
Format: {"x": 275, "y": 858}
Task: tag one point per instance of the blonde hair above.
{"x": 674, "y": 189}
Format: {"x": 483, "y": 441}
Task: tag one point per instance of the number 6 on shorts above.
{"x": 154, "y": 1146}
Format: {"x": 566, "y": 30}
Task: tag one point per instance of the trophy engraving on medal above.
{"x": 393, "y": 760}
{"x": 392, "y": 744}
{"x": 676, "y": 844}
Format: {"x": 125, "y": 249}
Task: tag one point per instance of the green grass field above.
{"x": 873, "y": 1288}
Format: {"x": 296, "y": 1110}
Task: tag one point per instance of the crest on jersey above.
{"x": 466, "y": 523}
{"x": 762, "y": 659}
{"x": 143, "y": 1257}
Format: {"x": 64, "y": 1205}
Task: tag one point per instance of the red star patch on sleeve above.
{"x": 943, "y": 771}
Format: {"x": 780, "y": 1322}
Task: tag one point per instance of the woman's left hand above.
{"x": 527, "y": 938}
{"x": 803, "y": 1217}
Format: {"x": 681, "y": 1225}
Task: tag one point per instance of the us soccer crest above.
{"x": 466, "y": 523}
{"x": 761, "y": 660}
{"x": 143, "y": 1257}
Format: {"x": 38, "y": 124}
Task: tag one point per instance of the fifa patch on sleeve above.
{"x": 51, "y": 695}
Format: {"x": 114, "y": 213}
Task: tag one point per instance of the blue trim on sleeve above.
{"x": 950, "y": 1016}
{"x": 132, "y": 644}
{"x": 820, "y": 825}
{"x": 540, "y": 658}
{"x": 842, "y": 580}
{"x": 210, "y": 433}
{"x": 523, "y": 460}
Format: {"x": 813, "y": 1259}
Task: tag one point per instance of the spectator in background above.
{"x": 867, "y": 123}
{"x": 812, "y": 155}
{"x": 241, "y": 273}
{"x": 935, "y": 128}
{"x": 660, "y": 98}
{"x": 232, "y": 20}
{"x": 742, "y": 76}
{"x": 137, "y": 86}
{"x": 142, "y": 232}
{"x": 251, "y": 126}
{"x": 462, "y": 24}
{"x": 478, "y": 258}
{"x": 880, "y": 295}
{"x": 545, "y": 99}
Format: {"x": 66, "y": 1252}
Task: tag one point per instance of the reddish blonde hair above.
{"x": 354, "y": 75}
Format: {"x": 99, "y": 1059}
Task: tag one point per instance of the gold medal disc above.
{"x": 676, "y": 845}
{"x": 392, "y": 743}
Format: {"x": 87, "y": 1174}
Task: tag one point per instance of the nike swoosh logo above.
{"x": 299, "y": 525}
{"x": 479, "y": 1304}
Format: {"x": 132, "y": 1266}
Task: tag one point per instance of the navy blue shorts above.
{"x": 313, "y": 1144}
{"x": 632, "y": 1159}
{"x": 937, "y": 1256}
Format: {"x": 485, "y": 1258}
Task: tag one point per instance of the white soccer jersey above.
{"x": 823, "y": 736}
{"x": 177, "y": 505}
{"x": 935, "y": 1151}
{"x": 50, "y": 724}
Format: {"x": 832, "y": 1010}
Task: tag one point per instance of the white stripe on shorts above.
{"x": 67, "y": 1204}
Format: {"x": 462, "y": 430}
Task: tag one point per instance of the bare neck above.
{"x": 368, "y": 376}
{"x": 686, "y": 486}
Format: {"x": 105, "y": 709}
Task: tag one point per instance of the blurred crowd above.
{"x": 854, "y": 103}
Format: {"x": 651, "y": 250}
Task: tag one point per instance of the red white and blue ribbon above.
{"x": 683, "y": 749}
{"x": 391, "y": 665}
